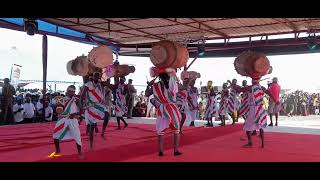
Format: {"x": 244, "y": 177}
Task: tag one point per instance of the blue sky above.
{"x": 293, "y": 71}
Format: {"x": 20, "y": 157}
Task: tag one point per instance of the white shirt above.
{"x": 28, "y": 110}
{"x": 49, "y": 110}
{"x": 39, "y": 106}
{"x": 18, "y": 117}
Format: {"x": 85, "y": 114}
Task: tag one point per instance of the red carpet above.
{"x": 33, "y": 142}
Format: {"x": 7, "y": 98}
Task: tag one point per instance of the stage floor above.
{"x": 138, "y": 143}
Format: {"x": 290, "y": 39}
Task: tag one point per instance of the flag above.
{"x": 15, "y": 75}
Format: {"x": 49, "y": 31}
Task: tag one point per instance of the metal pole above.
{"x": 44, "y": 66}
{"x": 191, "y": 63}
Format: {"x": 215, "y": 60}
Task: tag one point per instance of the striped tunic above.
{"x": 212, "y": 108}
{"x": 193, "y": 98}
{"x": 168, "y": 115}
{"x": 67, "y": 128}
{"x": 182, "y": 101}
{"x": 224, "y": 103}
{"x": 96, "y": 103}
{"x": 244, "y": 107}
{"x": 120, "y": 107}
{"x": 257, "y": 115}
{"x": 233, "y": 102}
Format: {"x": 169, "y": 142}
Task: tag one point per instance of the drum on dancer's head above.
{"x": 117, "y": 71}
{"x": 252, "y": 64}
{"x": 101, "y": 56}
{"x": 165, "y": 54}
{"x": 69, "y": 68}
{"x": 78, "y": 66}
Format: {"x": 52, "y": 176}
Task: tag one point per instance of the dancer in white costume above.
{"x": 108, "y": 103}
{"x": 67, "y": 126}
{"x": 212, "y": 109}
{"x": 120, "y": 103}
{"x": 168, "y": 115}
{"x": 94, "y": 96}
{"x": 193, "y": 95}
{"x": 233, "y": 102}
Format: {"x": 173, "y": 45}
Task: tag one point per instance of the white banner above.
{"x": 15, "y": 75}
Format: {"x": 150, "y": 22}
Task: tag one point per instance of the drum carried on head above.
{"x": 78, "y": 66}
{"x": 252, "y": 64}
{"x": 117, "y": 71}
{"x": 101, "y": 56}
{"x": 168, "y": 54}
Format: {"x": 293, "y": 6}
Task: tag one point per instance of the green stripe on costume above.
{"x": 64, "y": 133}
{"x": 176, "y": 125}
{"x": 99, "y": 107}
{"x": 67, "y": 109}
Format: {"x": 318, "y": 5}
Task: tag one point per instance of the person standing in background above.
{"x": 120, "y": 103}
{"x": 274, "y": 101}
{"x": 18, "y": 111}
{"x": 29, "y": 111}
{"x": 48, "y": 112}
{"x": 8, "y": 92}
{"x": 130, "y": 98}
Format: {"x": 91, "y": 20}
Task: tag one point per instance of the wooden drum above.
{"x": 165, "y": 54}
{"x": 101, "y": 56}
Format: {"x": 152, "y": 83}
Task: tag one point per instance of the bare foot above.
{"x": 81, "y": 156}
{"x": 249, "y": 145}
{"x": 177, "y": 153}
{"x": 102, "y": 135}
{"x": 243, "y": 139}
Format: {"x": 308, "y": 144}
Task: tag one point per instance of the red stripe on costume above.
{"x": 243, "y": 110}
{"x": 231, "y": 105}
{"x": 158, "y": 92}
{"x": 159, "y": 113}
{"x": 259, "y": 109}
{"x": 167, "y": 106}
{"x": 96, "y": 95}
{"x": 176, "y": 111}
{"x": 94, "y": 115}
{"x": 262, "y": 119}
{"x": 258, "y": 94}
{"x": 58, "y": 128}
{"x": 67, "y": 102}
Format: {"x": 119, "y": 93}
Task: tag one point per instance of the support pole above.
{"x": 191, "y": 63}
{"x": 44, "y": 68}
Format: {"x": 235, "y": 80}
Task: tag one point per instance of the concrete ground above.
{"x": 297, "y": 124}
